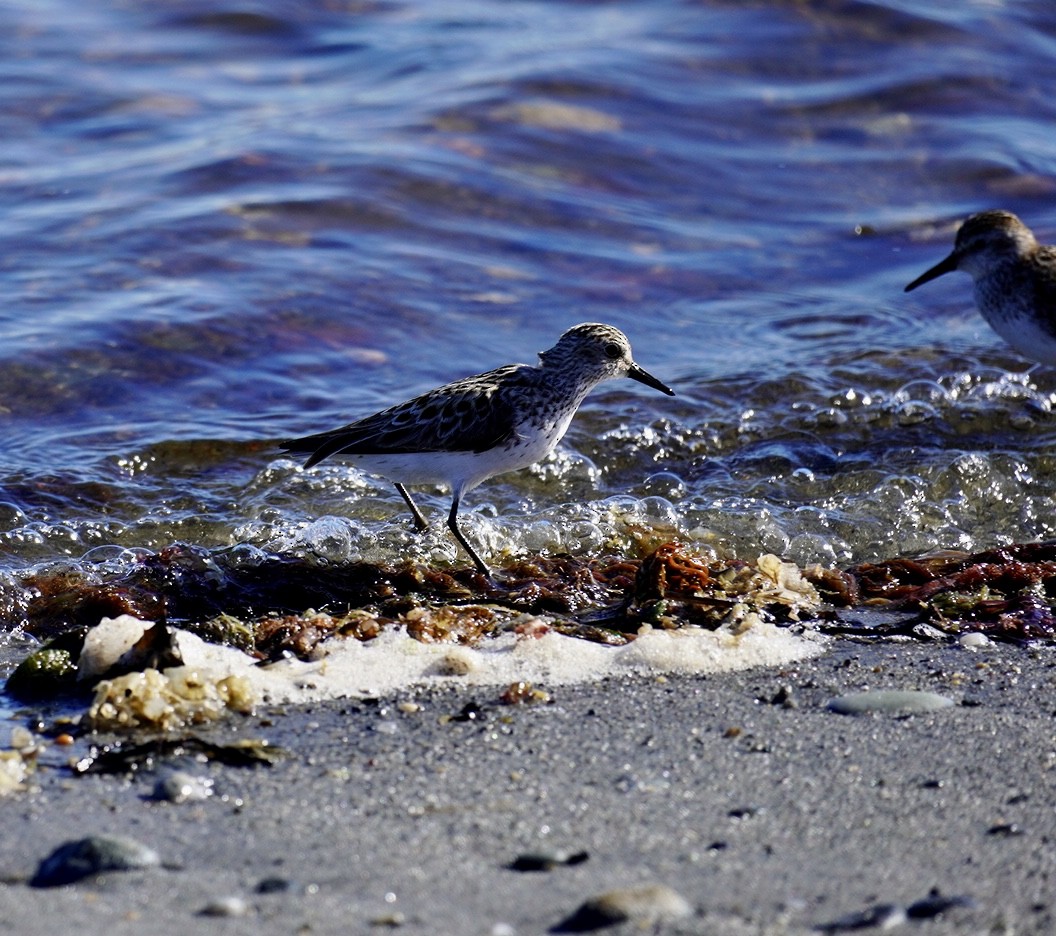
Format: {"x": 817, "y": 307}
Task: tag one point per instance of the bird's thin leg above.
{"x": 452, "y": 523}
{"x": 420, "y": 523}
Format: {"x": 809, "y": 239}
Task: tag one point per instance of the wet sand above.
{"x": 742, "y": 792}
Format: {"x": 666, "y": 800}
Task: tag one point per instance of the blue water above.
{"x": 227, "y": 224}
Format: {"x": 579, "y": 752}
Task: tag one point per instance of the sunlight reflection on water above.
{"x": 223, "y": 228}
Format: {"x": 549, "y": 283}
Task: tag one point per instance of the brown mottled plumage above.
{"x": 468, "y": 431}
{"x": 1015, "y": 280}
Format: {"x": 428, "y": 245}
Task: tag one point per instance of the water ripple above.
{"x": 224, "y": 226}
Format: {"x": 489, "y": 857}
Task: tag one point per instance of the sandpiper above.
{"x": 468, "y": 431}
{"x": 1015, "y": 280}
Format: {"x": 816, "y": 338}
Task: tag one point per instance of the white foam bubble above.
{"x": 392, "y": 662}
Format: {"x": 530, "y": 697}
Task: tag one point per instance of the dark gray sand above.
{"x": 766, "y": 811}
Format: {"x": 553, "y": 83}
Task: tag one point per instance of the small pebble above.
{"x": 455, "y": 663}
{"x": 547, "y": 861}
{"x": 889, "y": 916}
{"x": 1005, "y": 830}
{"x": 936, "y": 904}
{"x": 523, "y": 693}
{"x": 22, "y": 739}
{"x": 82, "y": 858}
{"x": 225, "y": 907}
{"x": 889, "y": 701}
{"x": 646, "y": 906}
{"x": 469, "y": 712}
{"x": 783, "y": 697}
{"x": 973, "y": 640}
{"x": 275, "y": 885}
{"x": 880, "y": 916}
{"x": 178, "y": 786}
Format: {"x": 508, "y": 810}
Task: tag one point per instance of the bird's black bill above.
{"x": 945, "y": 266}
{"x": 643, "y": 376}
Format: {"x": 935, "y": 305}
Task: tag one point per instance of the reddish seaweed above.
{"x": 1009, "y": 593}
{"x": 264, "y": 605}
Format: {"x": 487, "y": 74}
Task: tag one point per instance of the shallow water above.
{"x": 226, "y": 225}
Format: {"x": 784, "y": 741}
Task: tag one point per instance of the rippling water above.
{"x": 228, "y": 224}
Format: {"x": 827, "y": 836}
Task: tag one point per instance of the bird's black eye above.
{"x": 613, "y": 351}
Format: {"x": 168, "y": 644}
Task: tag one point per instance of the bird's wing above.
{"x": 470, "y": 415}
{"x": 1046, "y": 290}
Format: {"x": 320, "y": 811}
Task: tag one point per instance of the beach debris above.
{"x": 783, "y": 696}
{"x": 213, "y": 594}
{"x": 749, "y": 610}
{"x": 877, "y": 916}
{"x": 674, "y": 588}
{"x": 889, "y": 701}
{"x": 523, "y": 692}
{"x": 1004, "y": 593}
{"x": 180, "y": 786}
{"x": 277, "y": 885}
{"x": 228, "y": 631}
{"x": 456, "y": 662}
{"x": 80, "y": 657}
{"x": 15, "y": 770}
{"x": 19, "y": 762}
{"x": 46, "y": 673}
{"x": 648, "y": 905}
{"x": 547, "y": 861}
{"x": 229, "y": 906}
{"x": 64, "y": 597}
{"x": 936, "y": 903}
{"x": 75, "y": 860}
{"x": 278, "y": 636}
{"x": 885, "y": 916}
{"x": 124, "y": 757}
{"x": 470, "y": 712}
{"x": 974, "y": 640}
{"x": 834, "y": 586}
{"x": 609, "y": 600}
{"x": 1006, "y": 830}
{"x": 126, "y": 644}
{"x": 166, "y": 701}
{"x": 464, "y": 624}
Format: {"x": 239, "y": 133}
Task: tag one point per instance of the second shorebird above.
{"x": 468, "y": 431}
{"x": 1015, "y": 280}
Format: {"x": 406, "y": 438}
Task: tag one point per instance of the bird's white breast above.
{"x": 1011, "y": 312}
{"x": 464, "y": 469}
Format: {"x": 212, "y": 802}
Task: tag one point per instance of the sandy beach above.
{"x": 742, "y": 792}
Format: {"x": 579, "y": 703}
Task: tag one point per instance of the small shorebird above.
{"x": 1015, "y": 280}
{"x": 465, "y": 432}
